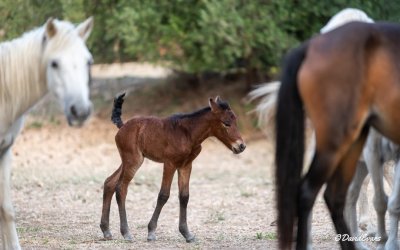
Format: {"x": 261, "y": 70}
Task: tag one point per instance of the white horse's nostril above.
{"x": 74, "y": 112}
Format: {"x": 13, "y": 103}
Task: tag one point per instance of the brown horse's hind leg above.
{"x": 336, "y": 190}
{"x": 183, "y": 183}
{"x": 320, "y": 171}
{"x": 130, "y": 164}
{"x": 109, "y": 189}
{"x": 168, "y": 174}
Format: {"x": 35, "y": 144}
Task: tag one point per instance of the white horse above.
{"x": 377, "y": 151}
{"x": 52, "y": 58}
{"x": 266, "y": 110}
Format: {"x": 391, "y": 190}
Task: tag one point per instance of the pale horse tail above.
{"x": 266, "y": 112}
{"x": 266, "y": 108}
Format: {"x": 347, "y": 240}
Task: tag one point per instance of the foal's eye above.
{"x": 226, "y": 124}
{"x": 54, "y": 64}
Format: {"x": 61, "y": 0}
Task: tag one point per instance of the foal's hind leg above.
{"x": 183, "y": 182}
{"x": 168, "y": 174}
{"x": 131, "y": 161}
{"x": 109, "y": 188}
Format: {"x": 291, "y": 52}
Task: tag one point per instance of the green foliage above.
{"x": 17, "y": 16}
{"x": 193, "y": 36}
{"x": 198, "y": 36}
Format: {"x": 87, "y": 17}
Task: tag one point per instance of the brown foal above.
{"x": 174, "y": 141}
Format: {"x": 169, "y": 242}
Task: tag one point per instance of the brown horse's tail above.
{"x": 116, "y": 112}
{"x": 289, "y": 146}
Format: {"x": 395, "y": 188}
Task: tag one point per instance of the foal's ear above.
{"x": 51, "y": 29}
{"x": 213, "y": 105}
{"x": 85, "y": 28}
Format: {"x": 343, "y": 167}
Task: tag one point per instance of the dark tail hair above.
{"x": 116, "y": 112}
{"x": 289, "y": 145}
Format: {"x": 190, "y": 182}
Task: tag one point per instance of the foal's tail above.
{"x": 116, "y": 112}
{"x": 289, "y": 145}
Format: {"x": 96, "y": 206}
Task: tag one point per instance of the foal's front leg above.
{"x": 168, "y": 174}
{"x": 183, "y": 183}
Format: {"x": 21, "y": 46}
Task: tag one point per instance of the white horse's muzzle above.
{"x": 76, "y": 115}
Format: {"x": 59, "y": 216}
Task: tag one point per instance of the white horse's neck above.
{"x": 22, "y": 76}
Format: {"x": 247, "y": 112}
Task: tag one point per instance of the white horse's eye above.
{"x": 90, "y": 62}
{"x": 54, "y": 64}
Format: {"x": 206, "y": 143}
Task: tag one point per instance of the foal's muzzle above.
{"x": 238, "y": 148}
{"x": 77, "y": 116}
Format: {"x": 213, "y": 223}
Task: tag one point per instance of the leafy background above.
{"x": 191, "y": 36}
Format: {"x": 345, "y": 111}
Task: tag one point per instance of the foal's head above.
{"x": 224, "y": 125}
{"x": 67, "y": 61}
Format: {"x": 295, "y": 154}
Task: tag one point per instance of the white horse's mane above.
{"x": 23, "y": 69}
{"x": 345, "y": 16}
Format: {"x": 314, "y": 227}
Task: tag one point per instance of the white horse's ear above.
{"x": 85, "y": 28}
{"x": 51, "y": 29}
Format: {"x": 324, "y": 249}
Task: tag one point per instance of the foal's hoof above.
{"x": 128, "y": 237}
{"x": 190, "y": 239}
{"x": 107, "y": 235}
{"x": 151, "y": 237}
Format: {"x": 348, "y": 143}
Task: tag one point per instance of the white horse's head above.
{"x": 67, "y": 61}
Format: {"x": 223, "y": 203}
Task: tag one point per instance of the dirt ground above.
{"x": 57, "y": 182}
{"x": 58, "y": 173}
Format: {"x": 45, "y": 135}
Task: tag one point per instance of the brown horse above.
{"x": 346, "y": 81}
{"x": 174, "y": 141}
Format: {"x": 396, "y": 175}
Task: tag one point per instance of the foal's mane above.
{"x": 175, "y": 118}
{"x": 23, "y": 64}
